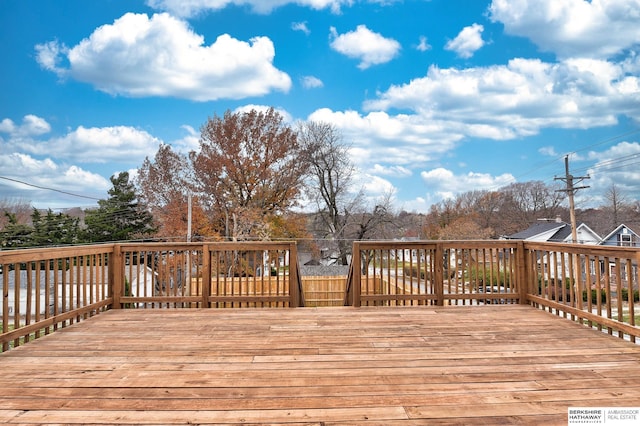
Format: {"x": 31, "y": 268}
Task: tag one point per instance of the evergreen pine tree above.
{"x": 120, "y": 217}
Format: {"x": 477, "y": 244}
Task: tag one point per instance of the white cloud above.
{"x": 46, "y": 173}
{"x": 423, "y": 46}
{"x": 395, "y": 171}
{"x": 619, "y": 165}
{"x": 301, "y": 26}
{"x": 548, "y": 151}
{"x": 104, "y": 144}
{"x": 187, "y": 8}
{"x": 401, "y": 140}
{"x": 189, "y": 142}
{"x": 369, "y": 47}
{"x": 84, "y": 145}
{"x": 49, "y": 55}
{"x": 161, "y": 56}
{"x": 32, "y": 125}
{"x": 467, "y": 41}
{"x": 374, "y": 186}
{"x": 29, "y": 154}
{"x": 446, "y": 184}
{"x": 311, "y": 82}
{"x": 517, "y": 99}
{"x": 572, "y": 28}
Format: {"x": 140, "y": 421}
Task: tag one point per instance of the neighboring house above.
{"x": 622, "y": 236}
{"x": 559, "y": 232}
{"x": 556, "y": 231}
{"x": 143, "y": 282}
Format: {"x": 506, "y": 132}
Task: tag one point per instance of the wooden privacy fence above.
{"x": 45, "y": 289}
{"x": 323, "y": 290}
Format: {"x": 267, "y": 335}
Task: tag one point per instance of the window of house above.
{"x": 624, "y": 240}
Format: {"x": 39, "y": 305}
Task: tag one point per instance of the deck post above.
{"x": 522, "y": 280}
{"x": 116, "y": 275}
{"x": 205, "y": 288}
{"x": 294, "y": 290}
{"x": 356, "y": 285}
{"x": 439, "y": 274}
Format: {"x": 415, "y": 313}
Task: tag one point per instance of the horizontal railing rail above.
{"x": 46, "y": 289}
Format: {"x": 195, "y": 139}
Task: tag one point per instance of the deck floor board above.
{"x": 401, "y": 365}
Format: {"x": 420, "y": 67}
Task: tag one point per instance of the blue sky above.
{"x": 435, "y": 97}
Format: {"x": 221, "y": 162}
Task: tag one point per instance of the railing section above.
{"x": 433, "y": 273}
{"x": 220, "y": 275}
{"x": 46, "y": 289}
{"x": 50, "y": 288}
{"x": 594, "y": 285}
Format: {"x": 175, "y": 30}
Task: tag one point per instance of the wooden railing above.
{"x": 207, "y": 275}
{"x": 594, "y": 285}
{"x": 434, "y": 273}
{"x": 50, "y": 288}
{"x": 44, "y": 289}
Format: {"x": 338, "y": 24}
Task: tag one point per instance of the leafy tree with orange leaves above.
{"x": 249, "y": 173}
{"x": 164, "y": 185}
{"x": 244, "y": 179}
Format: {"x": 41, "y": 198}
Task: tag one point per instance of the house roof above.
{"x": 556, "y": 231}
{"x": 617, "y": 230}
{"x": 541, "y": 228}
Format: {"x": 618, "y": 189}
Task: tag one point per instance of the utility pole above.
{"x": 189, "y": 214}
{"x": 570, "y": 190}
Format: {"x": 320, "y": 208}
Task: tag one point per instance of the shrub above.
{"x": 625, "y": 295}
{"x": 485, "y": 276}
{"x": 413, "y": 271}
{"x": 594, "y": 296}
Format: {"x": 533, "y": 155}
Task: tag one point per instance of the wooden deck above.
{"x": 403, "y": 365}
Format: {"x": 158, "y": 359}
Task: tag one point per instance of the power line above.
{"x": 49, "y": 189}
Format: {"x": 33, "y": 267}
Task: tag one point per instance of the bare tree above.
{"x": 376, "y": 222}
{"x": 19, "y": 209}
{"x": 617, "y": 206}
{"x": 526, "y": 202}
{"x": 330, "y": 186}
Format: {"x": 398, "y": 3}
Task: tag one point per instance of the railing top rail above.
{"x": 216, "y": 245}
{"x": 46, "y": 253}
{"x": 371, "y": 244}
{"x": 612, "y": 251}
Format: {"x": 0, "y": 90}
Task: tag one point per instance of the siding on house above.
{"x": 622, "y": 236}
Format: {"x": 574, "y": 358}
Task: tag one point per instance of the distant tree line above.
{"x": 117, "y": 218}
{"x": 252, "y": 172}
